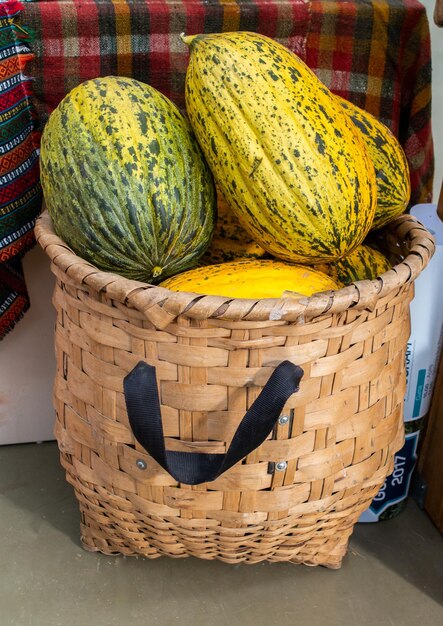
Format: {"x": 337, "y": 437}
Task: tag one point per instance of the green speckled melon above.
{"x": 230, "y": 241}
{"x": 124, "y": 180}
{"x": 390, "y": 163}
{"x": 291, "y": 165}
{"x": 363, "y": 263}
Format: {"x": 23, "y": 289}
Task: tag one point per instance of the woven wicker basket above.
{"x": 298, "y": 495}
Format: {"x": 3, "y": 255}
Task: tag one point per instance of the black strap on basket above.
{"x": 192, "y": 468}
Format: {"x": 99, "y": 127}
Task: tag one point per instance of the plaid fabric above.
{"x": 20, "y": 193}
{"x": 375, "y": 53}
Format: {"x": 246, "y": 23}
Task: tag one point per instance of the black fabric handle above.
{"x": 192, "y": 468}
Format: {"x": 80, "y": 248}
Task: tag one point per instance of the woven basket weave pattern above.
{"x": 212, "y": 358}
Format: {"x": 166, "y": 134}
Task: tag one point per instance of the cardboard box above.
{"x": 431, "y": 455}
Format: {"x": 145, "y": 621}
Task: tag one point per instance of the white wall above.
{"x": 27, "y": 362}
{"x": 437, "y": 95}
{"x": 27, "y": 355}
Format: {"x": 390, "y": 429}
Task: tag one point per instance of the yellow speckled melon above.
{"x": 363, "y": 263}
{"x": 251, "y": 279}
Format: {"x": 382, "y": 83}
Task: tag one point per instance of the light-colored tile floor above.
{"x": 392, "y": 574}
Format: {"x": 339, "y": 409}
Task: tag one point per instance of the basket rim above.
{"x": 161, "y": 305}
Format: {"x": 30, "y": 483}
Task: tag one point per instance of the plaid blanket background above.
{"x": 20, "y": 193}
{"x": 375, "y": 53}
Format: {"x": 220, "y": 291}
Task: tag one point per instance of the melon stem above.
{"x": 189, "y": 39}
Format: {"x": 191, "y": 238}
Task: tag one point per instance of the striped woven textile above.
{"x": 375, "y": 53}
{"x": 20, "y": 192}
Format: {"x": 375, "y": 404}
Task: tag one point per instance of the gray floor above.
{"x": 392, "y": 575}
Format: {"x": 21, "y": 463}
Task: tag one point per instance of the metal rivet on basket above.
{"x": 283, "y": 419}
{"x": 281, "y": 466}
{"x": 141, "y": 464}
